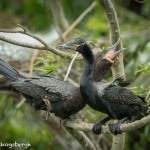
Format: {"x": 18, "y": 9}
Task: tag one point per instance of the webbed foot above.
{"x": 97, "y": 128}
{"x": 115, "y": 128}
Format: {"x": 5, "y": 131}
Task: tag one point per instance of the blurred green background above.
{"x": 23, "y": 124}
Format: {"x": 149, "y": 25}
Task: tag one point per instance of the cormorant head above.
{"x": 110, "y": 54}
{"x": 72, "y": 44}
{"x": 80, "y": 45}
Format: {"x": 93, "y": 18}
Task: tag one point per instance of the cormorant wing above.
{"x": 39, "y": 87}
{"x": 121, "y": 95}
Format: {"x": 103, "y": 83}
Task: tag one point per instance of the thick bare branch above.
{"x": 118, "y": 67}
{"x": 82, "y": 139}
{"x": 87, "y": 127}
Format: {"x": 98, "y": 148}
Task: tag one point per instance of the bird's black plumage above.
{"x": 65, "y": 99}
{"x": 110, "y": 98}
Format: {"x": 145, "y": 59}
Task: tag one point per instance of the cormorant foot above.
{"x": 97, "y": 128}
{"x": 115, "y": 129}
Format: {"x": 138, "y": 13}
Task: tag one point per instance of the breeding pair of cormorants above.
{"x": 111, "y": 98}
{"x": 65, "y": 99}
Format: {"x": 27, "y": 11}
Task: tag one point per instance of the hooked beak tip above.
{"x": 61, "y": 46}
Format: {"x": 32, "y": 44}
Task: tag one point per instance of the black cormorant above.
{"x": 117, "y": 102}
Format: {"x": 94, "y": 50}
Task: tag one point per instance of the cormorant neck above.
{"x": 89, "y": 62}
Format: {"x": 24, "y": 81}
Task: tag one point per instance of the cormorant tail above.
{"x": 8, "y": 71}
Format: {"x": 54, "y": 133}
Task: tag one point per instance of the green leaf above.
{"x": 47, "y": 63}
{"x": 48, "y": 68}
{"x": 144, "y": 69}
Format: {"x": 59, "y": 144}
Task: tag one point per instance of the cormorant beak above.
{"x": 111, "y": 54}
{"x": 65, "y": 46}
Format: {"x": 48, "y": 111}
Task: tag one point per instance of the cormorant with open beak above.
{"x": 117, "y": 102}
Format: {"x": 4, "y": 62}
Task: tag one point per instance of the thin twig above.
{"x": 35, "y": 54}
{"x": 21, "y": 103}
{"x": 70, "y": 66}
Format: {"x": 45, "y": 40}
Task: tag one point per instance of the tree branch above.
{"x": 32, "y": 46}
{"x": 70, "y": 66}
{"x": 87, "y": 127}
{"x": 27, "y": 45}
{"x": 82, "y": 139}
{"x": 118, "y": 67}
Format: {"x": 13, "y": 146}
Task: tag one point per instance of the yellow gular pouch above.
{"x": 74, "y": 47}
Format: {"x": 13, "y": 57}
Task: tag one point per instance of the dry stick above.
{"x": 21, "y": 103}
{"x": 70, "y": 66}
{"x": 35, "y": 54}
{"x": 118, "y": 68}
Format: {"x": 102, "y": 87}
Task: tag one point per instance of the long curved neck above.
{"x": 89, "y": 62}
{"x": 86, "y": 83}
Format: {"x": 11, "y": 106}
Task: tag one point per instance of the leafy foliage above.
{"x": 143, "y": 69}
{"x": 51, "y": 64}
{"x": 30, "y": 13}
{"x": 140, "y": 90}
